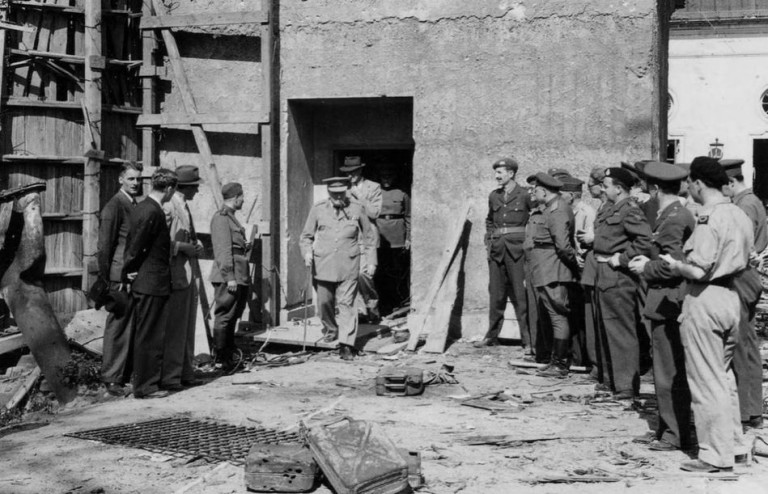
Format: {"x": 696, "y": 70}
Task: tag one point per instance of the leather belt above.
{"x": 391, "y": 216}
{"x": 508, "y": 229}
{"x": 723, "y": 281}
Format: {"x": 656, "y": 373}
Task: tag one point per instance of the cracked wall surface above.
{"x": 554, "y": 83}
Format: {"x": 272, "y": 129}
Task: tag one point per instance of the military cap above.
{"x": 597, "y": 174}
{"x": 509, "y": 163}
{"x": 571, "y": 184}
{"x": 188, "y": 175}
{"x": 732, "y": 167}
{"x": 232, "y": 189}
{"x": 547, "y": 181}
{"x": 621, "y": 175}
{"x": 337, "y": 184}
{"x": 558, "y": 173}
{"x": 664, "y": 172}
{"x": 351, "y": 163}
{"x": 709, "y": 169}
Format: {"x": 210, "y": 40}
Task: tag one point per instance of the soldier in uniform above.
{"x": 179, "y": 346}
{"x": 331, "y": 245}
{"x": 368, "y": 194}
{"x": 554, "y": 267}
{"x": 394, "y": 225}
{"x": 115, "y": 221}
{"x": 747, "y": 362}
{"x": 666, "y": 291}
{"x": 718, "y": 249}
{"x": 508, "y": 209}
{"x": 621, "y": 233}
{"x": 584, "y": 221}
{"x": 229, "y": 275}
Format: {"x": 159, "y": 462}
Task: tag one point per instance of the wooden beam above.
{"x": 148, "y": 84}
{"x": 92, "y": 140}
{"x": 67, "y": 105}
{"x": 16, "y": 27}
{"x": 49, "y": 6}
{"x": 3, "y": 62}
{"x": 188, "y": 101}
{"x": 194, "y": 20}
{"x": 11, "y": 343}
{"x": 73, "y": 59}
{"x": 163, "y": 119}
{"x": 64, "y": 160}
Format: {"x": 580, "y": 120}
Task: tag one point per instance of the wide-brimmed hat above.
{"x": 188, "y": 175}
{"x": 352, "y": 163}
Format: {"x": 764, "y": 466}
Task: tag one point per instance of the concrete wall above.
{"x": 716, "y": 84}
{"x": 555, "y": 83}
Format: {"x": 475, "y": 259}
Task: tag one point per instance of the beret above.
{"x": 665, "y": 172}
{"x": 597, "y": 174}
{"x": 547, "y": 180}
{"x": 558, "y": 173}
{"x": 351, "y": 163}
{"x": 621, "y": 175}
{"x": 510, "y": 163}
{"x": 337, "y": 184}
{"x": 571, "y": 184}
{"x": 232, "y": 189}
{"x": 732, "y": 167}
{"x": 633, "y": 171}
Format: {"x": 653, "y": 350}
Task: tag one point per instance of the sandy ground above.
{"x": 436, "y": 424}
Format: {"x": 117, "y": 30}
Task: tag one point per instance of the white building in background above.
{"x": 718, "y": 84}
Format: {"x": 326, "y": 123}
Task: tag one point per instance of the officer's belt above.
{"x": 391, "y": 216}
{"x": 508, "y": 229}
{"x": 723, "y": 281}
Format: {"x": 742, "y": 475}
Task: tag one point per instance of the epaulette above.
{"x": 703, "y": 219}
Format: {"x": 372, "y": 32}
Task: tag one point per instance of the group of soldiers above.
{"x": 345, "y": 237}
{"x": 660, "y": 273}
{"x": 148, "y": 272}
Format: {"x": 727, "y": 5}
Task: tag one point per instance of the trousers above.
{"x": 747, "y": 362}
{"x": 671, "y": 381}
{"x": 179, "y": 343}
{"x": 116, "y": 364}
{"x": 709, "y": 326}
{"x": 151, "y": 317}
{"x": 506, "y": 280}
{"x": 227, "y": 311}
{"x": 341, "y": 294}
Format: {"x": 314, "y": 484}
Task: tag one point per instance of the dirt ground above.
{"x": 40, "y": 459}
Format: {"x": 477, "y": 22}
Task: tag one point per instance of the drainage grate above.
{"x": 183, "y": 437}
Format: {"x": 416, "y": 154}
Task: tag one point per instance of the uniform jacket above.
{"x": 623, "y": 230}
{"x": 750, "y": 204}
{"x": 148, "y": 250}
{"x": 510, "y": 212}
{"x": 113, "y": 230}
{"x": 666, "y": 291}
{"x": 549, "y": 246}
{"x": 230, "y": 261}
{"x": 337, "y": 238}
{"x": 181, "y": 230}
{"x": 650, "y": 209}
{"x": 394, "y": 232}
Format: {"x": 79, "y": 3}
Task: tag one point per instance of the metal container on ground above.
{"x": 400, "y": 381}
{"x": 280, "y": 468}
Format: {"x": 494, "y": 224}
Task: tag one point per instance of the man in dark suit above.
{"x": 147, "y": 269}
{"x": 116, "y": 365}
{"x": 508, "y": 209}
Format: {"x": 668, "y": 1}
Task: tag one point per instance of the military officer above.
{"x": 331, "y": 246}
{"x": 229, "y": 276}
{"x": 368, "y": 194}
{"x": 620, "y": 234}
{"x": 747, "y": 363}
{"x": 551, "y": 252}
{"x": 666, "y": 291}
{"x": 508, "y": 208}
{"x": 717, "y": 250}
{"x": 394, "y": 224}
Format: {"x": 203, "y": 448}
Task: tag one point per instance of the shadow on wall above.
{"x": 222, "y": 143}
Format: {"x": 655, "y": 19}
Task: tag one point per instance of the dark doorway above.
{"x": 760, "y": 163}
{"x": 672, "y": 147}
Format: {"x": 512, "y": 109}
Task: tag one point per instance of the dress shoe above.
{"x": 660, "y": 445}
{"x": 330, "y": 338}
{"x": 486, "y": 342}
{"x": 553, "y": 371}
{"x": 752, "y": 423}
{"x": 699, "y": 466}
{"x": 115, "y": 389}
{"x": 160, "y": 393}
{"x": 646, "y": 438}
{"x": 603, "y": 387}
{"x": 190, "y": 383}
{"x": 623, "y": 395}
{"x": 345, "y": 353}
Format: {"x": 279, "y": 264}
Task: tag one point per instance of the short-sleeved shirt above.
{"x": 721, "y": 242}
{"x": 750, "y": 204}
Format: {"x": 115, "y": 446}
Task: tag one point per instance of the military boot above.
{"x": 560, "y": 361}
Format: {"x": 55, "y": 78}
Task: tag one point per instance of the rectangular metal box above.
{"x": 280, "y": 468}
{"x": 400, "y": 381}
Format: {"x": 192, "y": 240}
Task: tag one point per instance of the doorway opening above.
{"x": 760, "y": 164}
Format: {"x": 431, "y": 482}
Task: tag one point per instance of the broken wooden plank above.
{"x": 568, "y": 479}
{"x": 24, "y": 389}
{"x": 534, "y": 365}
{"x": 16, "y": 27}
{"x": 11, "y": 343}
{"x": 439, "y": 322}
{"x": 194, "y": 20}
{"x": 442, "y": 270}
{"x": 392, "y": 348}
{"x": 162, "y": 119}
{"x": 509, "y": 439}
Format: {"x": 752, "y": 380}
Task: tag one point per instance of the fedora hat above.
{"x": 188, "y": 175}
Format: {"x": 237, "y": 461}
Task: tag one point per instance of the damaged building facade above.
{"x": 439, "y": 89}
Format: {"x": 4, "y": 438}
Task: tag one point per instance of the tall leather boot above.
{"x": 560, "y": 360}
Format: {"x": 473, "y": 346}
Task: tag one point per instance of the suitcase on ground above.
{"x": 413, "y": 459}
{"x": 280, "y": 468}
{"x": 358, "y": 458}
{"x": 400, "y": 381}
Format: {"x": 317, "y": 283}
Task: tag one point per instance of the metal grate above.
{"x": 183, "y": 437}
